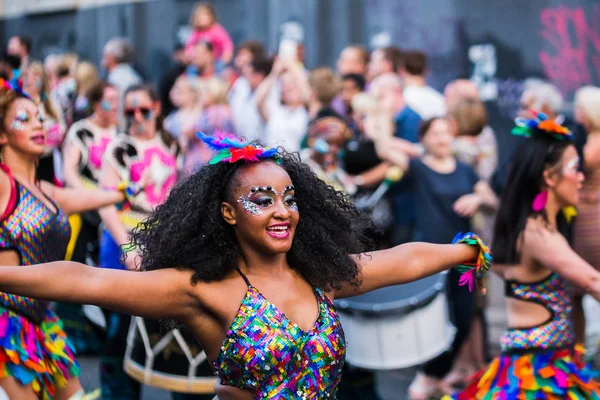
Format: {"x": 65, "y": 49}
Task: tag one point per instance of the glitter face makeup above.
{"x": 262, "y": 197}
{"x": 105, "y": 105}
{"x": 21, "y": 118}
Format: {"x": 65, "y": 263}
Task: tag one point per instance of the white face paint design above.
{"x": 572, "y": 166}
{"x": 262, "y": 197}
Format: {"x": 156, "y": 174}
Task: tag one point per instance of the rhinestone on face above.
{"x": 249, "y": 206}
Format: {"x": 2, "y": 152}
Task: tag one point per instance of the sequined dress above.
{"x": 540, "y": 362}
{"x": 33, "y": 346}
{"x": 267, "y": 353}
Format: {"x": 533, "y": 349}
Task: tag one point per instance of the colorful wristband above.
{"x": 471, "y": 271}
{"x": 129, "y": 189}
{"x": 126, "y": 248}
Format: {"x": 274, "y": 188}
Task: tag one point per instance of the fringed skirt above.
{"x": 552, "y": 374}
{"x": 36, "y": 355}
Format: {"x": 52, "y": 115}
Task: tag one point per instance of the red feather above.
{"x": 248, "y": 153}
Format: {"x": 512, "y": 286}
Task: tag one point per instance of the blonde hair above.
{"x": 200, "y": 6}
{"x": 364, "y": 104}
{"x": 66, "y": 65}
{"x": 49, "y": 107}
{"x": 470, "y": 116}
{"x": 587, "y": 99}
{"x": 324, "y": 83}
{"x": 217, "y": 89}
{"x": 86, "y": 76}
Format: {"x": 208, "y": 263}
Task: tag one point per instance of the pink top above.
{"x": 216, "y": 35}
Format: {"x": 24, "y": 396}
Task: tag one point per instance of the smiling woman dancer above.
{"x": 36, "y": 359}
{"x": 249, "y": 253}
{"x": 539, "y": 357}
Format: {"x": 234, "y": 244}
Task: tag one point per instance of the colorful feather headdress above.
{"x": 540, "y": 125}
{"x": 15, "y": 84}
{"x": 230, "y": 148}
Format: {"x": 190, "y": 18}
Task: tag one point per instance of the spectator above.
{"x": 185, "y": 96}
{"x": 206, "y": 28}
{"x": 216, "y": 116}
{"x": 544, "y": 97}
{"x": 116, "y": 56}
{"x": 388, "y": 91}
{"x": 50, "y": 67}
{"x": 326, "y": 139}
{"x": 20, "y": 46}
{"x": 86, "y": 76}
{"x": 476, "y": 146}
{"x": 324, "y": 86}
{"x": 287, "y": 119}
{"x": 248, "y": 51}
{"x": 202, "y": 61}
{"x": 168, "y": 80}
{"x": 353, "y": 59}
{"x": 8, "y": 64}
{"x": 384, "y": 61}
{"x": 242, "y": 99}
{"x": 587, "y": 224}
{"x": 352, "y": 84}
{"x": 425, "y": 100}
{"x": 36, "y": 84}
{"x": 64, "y": 92}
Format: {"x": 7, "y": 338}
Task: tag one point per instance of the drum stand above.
{"x": 146, "y": 375}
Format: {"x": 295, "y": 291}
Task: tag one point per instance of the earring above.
{"x": 539, "y": 201}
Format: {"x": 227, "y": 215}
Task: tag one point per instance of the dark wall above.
{"x": 555, "y": 39}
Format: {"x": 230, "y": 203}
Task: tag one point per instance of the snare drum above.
{"x": 399, "y": 326}
{"x": 173, "y": 361}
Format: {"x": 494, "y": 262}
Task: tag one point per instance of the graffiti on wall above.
{"x": 572, "y": 57}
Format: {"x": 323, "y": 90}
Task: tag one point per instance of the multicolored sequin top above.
{"x": 37, "y": 234}
{"x": 34, "y": 349}
{"x": 267, "y": 353}
{"x": 554, "y": 293}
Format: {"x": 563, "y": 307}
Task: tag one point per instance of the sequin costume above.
{"x": 540, "y": 362}
{"x": 33, "y": 346}
{"x": 267, "y": 353}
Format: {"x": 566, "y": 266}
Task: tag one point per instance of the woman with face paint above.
{"x": 37, "y": 86}
{"x": 143, "y": 154}
{"x": 36, "y": 359}
{"x": 326, "y": 139}
{"x": 249, "y": 253}
{"x": 539, "y": 359}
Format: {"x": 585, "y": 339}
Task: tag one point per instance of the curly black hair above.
{"x": 188, "y": 231}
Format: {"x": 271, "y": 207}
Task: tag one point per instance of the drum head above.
{"x": 397, "y": 297}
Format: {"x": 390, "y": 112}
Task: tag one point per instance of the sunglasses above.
{"x": 146, "y": 112}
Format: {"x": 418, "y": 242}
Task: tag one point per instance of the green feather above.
{"x": 220, "y": 156}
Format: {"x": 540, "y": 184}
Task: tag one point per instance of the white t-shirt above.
{"x": 425, "y": 100}
{"x": 286, "y": 127}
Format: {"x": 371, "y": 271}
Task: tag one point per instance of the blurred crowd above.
{"x": 422, "y": 163}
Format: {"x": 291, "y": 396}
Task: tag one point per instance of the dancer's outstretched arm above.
{"x": 161, "y": 294}
{"x": 406, "y": 263}
{"x": 552, "y": 250}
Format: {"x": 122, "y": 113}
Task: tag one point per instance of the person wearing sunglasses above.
{"x": 144, "y": 153}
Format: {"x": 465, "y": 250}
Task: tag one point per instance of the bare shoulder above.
{"x": 221, "y": 298}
